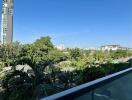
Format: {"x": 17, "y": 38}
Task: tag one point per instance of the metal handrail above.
{"x": 87, "y": 87}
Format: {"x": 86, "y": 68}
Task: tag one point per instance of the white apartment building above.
{"x": 113, "y": 48}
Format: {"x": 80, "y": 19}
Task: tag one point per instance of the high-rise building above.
{"x": 7, "y": 22}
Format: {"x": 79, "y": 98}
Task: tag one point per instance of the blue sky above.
{"x": 81, "y": 23}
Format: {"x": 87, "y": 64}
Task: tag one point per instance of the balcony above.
{"x": 117, "y": 86}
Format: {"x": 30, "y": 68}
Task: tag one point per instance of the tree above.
{"x": 47, "y": 73}
{"x": 44, "y": 41}
{"x": 38, "y": 56}
{"x": 9, "y": 54}
{"x": 18, "y": 85}
{"x": 75, "y": 53}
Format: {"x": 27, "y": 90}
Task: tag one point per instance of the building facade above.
{"x": 7, "y": 22}
{"x": 109, "y": 47}
{"x": 60, "y": 47}
{"x": 113, "y": 48}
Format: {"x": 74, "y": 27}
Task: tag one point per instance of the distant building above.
{"x": 7, "y": 22}
{"x": 60, "y": 47}
{"x": 113, "y": 48}
{"x": 91, "y": 49}
{"x": 109, "y": 47}
{"x": 125, "y": 48}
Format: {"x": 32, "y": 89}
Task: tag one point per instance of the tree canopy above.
{"x": 36, "y": 70}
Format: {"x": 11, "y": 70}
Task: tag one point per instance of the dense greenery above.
{"x": 32, "y": 71}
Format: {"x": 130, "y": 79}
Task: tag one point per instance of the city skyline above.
{"x": 74, "y": 23}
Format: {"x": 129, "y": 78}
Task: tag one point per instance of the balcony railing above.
{"x": 117, "y": 86}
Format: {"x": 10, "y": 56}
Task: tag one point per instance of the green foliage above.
{"x": 120, "y": 53}
{"x": 51, "y": 70}
{"x": 9, "y": 54}
{"x": 91, "y": 73}
{"x": 44, "y": 41}
{"x": 112, "y": 68}
{"x": 75, "y": 53}
{"x": 56, "y": 56}
{"x": 15, "y": 84}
